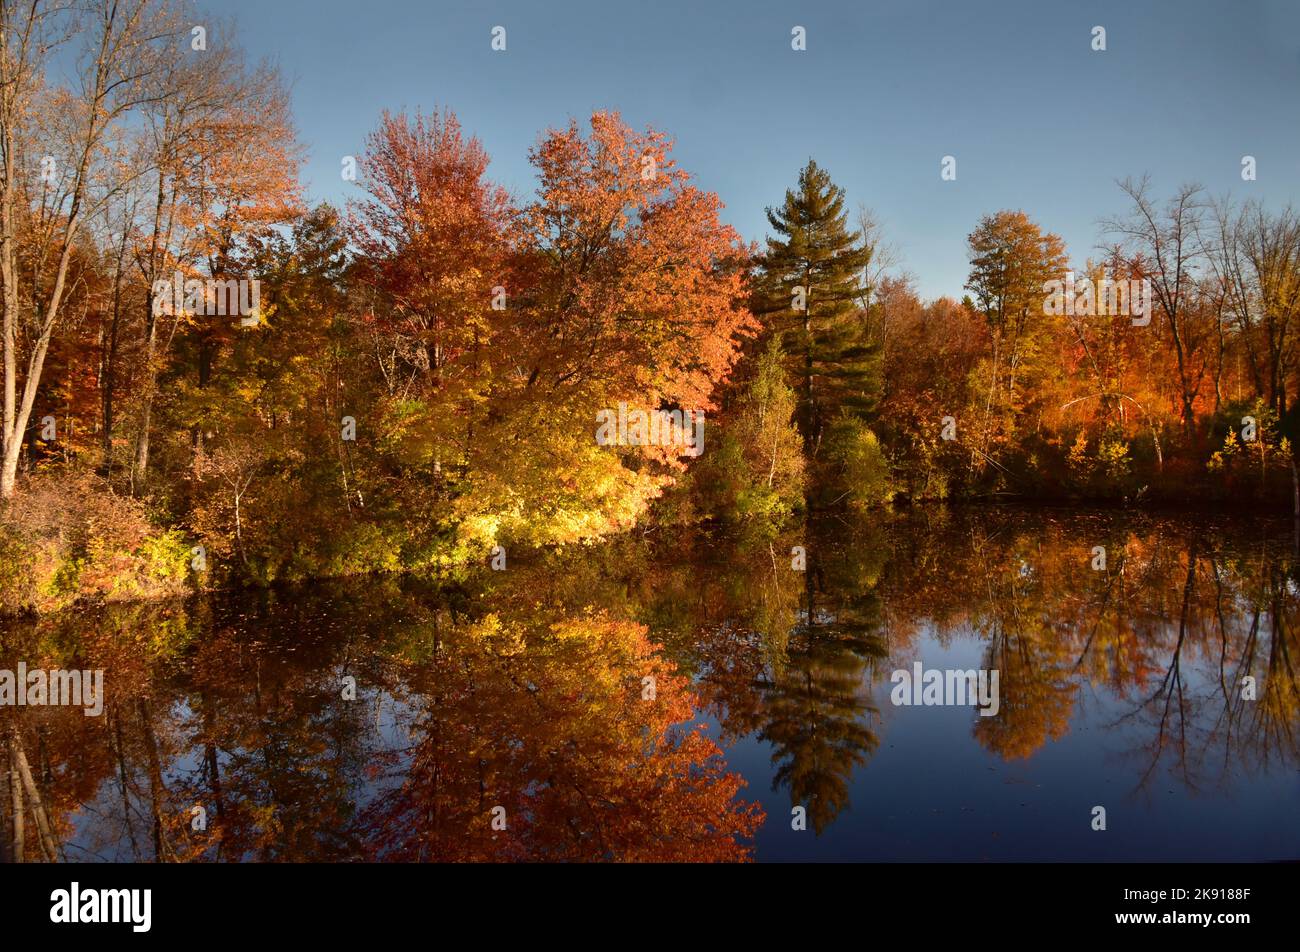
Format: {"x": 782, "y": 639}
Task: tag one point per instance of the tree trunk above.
{"x": 19, "y": 810}
{"x": 49, "y": 845}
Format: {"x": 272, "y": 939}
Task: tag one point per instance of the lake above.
{"x": 692, "y": 695}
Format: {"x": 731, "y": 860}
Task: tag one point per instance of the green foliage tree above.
{"x": 758, "y": 471}
{"x": 862, "y": 472}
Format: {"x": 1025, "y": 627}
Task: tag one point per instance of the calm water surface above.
{"x": 677, "y": 697}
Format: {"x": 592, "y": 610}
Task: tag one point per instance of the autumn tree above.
{"x": 1011, "y": 259}
{"x": 628, "y": 292}
{"x": 929, "y": 354}
{"x": 433, "y": 237}
{"x": 223, "y": 162}
{"x": 274, "y": 420}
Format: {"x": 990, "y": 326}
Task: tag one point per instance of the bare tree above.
{"x": 1164, "y": 245}
{"x": 124, "y": 43}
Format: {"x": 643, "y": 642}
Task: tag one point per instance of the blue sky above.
{"x": 885, "y": 89}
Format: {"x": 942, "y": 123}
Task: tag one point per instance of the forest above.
{"x": 210, "y": 380}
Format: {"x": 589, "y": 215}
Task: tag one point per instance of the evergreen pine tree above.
{"x": 811, "y": 289}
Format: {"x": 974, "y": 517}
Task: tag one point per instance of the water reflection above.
{"x": 674, "y": 699}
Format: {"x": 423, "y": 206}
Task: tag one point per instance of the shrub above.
{"x": 70, "y": 539}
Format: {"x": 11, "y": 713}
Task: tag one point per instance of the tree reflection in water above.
{"x": 589, "y": 700}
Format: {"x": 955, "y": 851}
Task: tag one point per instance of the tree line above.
{"x": 416, "y": 378}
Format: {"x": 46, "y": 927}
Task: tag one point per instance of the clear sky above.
{"x": 885, "y": 89}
